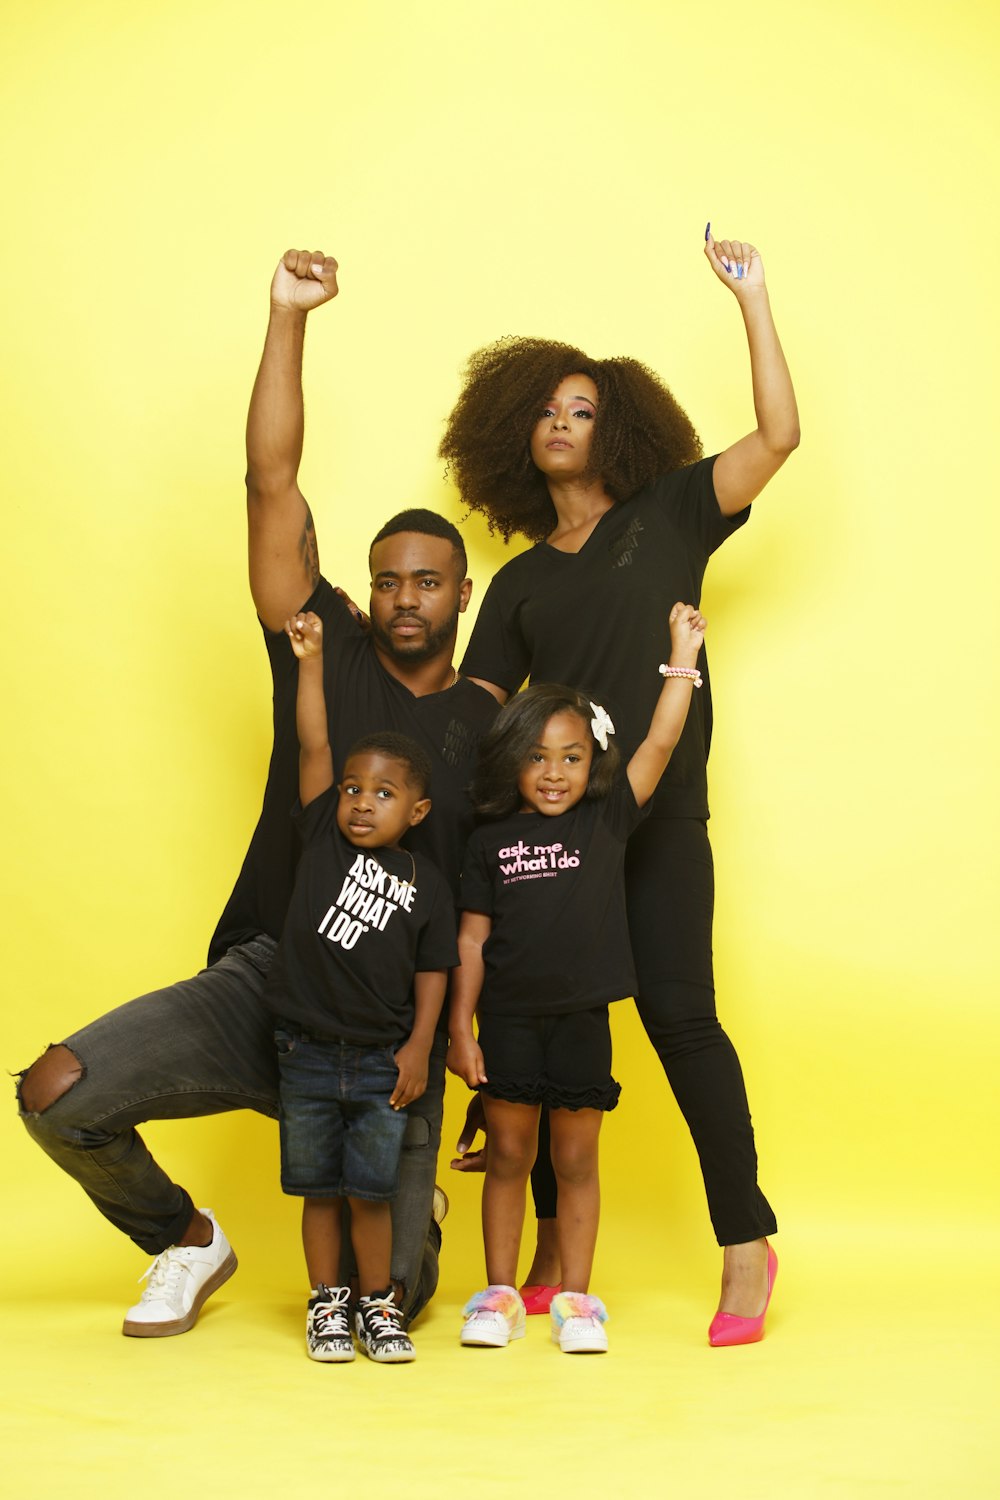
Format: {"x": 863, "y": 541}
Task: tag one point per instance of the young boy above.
{"x": 357, "y": 986}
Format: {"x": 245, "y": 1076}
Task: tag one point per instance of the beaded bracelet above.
{"x": 690, "y": 672}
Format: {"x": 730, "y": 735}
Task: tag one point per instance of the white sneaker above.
{"x": 180, "y": 1279}
{"x": 578, "y": 1323}
{"x": 493, "y": 1318}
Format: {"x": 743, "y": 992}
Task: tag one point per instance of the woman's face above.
{"x": 560, "y": 441}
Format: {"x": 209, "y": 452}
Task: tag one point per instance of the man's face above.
{"x": 417, "y": 596}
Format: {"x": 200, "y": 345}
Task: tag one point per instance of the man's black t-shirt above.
{"x": 555, "y": 891}
{"x": 358, "y": 929}
{"x": 597, "y": 619}
{"x": 361, "y": 698}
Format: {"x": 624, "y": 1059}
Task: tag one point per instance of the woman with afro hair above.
{"x": 595, "y": 462}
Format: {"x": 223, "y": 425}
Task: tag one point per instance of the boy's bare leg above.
{"x": 371, "y": 1236}
{"x": 321, "y": 1239}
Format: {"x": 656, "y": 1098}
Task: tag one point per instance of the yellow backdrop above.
{"x": 480, "y": 170}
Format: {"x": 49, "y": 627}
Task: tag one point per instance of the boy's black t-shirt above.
{"x": 356, "y": 933}
{"x": 598, "y": 619}
{"x": 361, "y": 698}
{"x": 555, "y": 891}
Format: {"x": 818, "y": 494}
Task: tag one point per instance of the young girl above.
{"x": 544, "y": 947}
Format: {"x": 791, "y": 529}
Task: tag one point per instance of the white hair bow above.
{"x": 601, "y": 725}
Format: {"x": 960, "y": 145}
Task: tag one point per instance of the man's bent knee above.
{"x": 53, "y": 1075}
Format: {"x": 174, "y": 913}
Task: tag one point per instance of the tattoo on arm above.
{"x": 308, "y": 550}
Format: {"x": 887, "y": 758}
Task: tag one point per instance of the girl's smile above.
{"x": 556, "y": 771}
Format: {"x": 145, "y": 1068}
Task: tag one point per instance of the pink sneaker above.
{"x": 538, "y": 1299}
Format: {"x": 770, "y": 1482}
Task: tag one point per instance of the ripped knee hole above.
{"x": 50, "y": 1077}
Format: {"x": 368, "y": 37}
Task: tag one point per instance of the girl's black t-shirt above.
{"x": 555, "y": 891}
{"x": 597, "y": 619}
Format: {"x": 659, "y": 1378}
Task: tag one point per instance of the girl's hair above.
{"x": 518, "y": 727}
{"x": 640, "y": 432}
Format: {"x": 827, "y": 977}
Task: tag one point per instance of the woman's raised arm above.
{"x": 742, "y": 471}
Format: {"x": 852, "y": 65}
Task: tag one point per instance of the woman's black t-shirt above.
{"x": 597, "y": 619}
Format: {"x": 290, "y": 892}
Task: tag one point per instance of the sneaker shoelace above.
{"x": 330, "y": 1315}
{"x": 163, "y": 1276}
{"x": 385, "y": 1320}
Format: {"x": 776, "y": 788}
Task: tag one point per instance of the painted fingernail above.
{"x": 708, "y": 229}
{"x": 739, "y": 273}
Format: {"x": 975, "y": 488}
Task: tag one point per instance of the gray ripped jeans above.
{"x": 201, "y": 1047}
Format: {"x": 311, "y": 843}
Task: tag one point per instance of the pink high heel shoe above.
{"x": 538, "y": 1299}
{"x": 727, "y": 1329}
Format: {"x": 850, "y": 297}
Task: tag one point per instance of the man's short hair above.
{"x": 397, "y": 747}
{"x": 425, "y": 523}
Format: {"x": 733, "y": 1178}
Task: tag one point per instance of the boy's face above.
{"x": 378, "y": 802}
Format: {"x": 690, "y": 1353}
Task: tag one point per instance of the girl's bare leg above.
{"x": 511, "y": 1143}
{"x": 575, "y": 1134}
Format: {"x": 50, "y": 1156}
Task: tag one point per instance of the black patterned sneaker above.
{"x": 328, "y": 1333}
{"x": 379, "y": 1325}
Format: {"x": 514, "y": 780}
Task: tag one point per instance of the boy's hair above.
{"x": 519, "y": 726}
{"x": 398, "y": 747}
{"x": 640, "y": 432}
{"x": 425, "y": 523}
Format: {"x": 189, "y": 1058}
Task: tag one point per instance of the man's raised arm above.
{"x": 284, "y": 559}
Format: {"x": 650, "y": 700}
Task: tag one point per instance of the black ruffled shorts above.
{"x": 563, "y": 1062}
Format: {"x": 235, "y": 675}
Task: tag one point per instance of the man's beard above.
{"x": 415, "y": 649}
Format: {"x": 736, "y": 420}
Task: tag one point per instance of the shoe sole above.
{"x": 487, "y": 1340}
{"x": 138, "y": 1330}
{"x": 583, "y": 1343}
{"x": 331, "y": 1356}
{"x": 389, "y": 1359}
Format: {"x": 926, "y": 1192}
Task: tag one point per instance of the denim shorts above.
{"x": 563, "y": 1062}
{"x": 340, "y": 1137}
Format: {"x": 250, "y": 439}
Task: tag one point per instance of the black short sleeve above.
{"x": 498, "y": 652}
{"x": 690, "y": 496}
{"x": 476, "y": 893}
